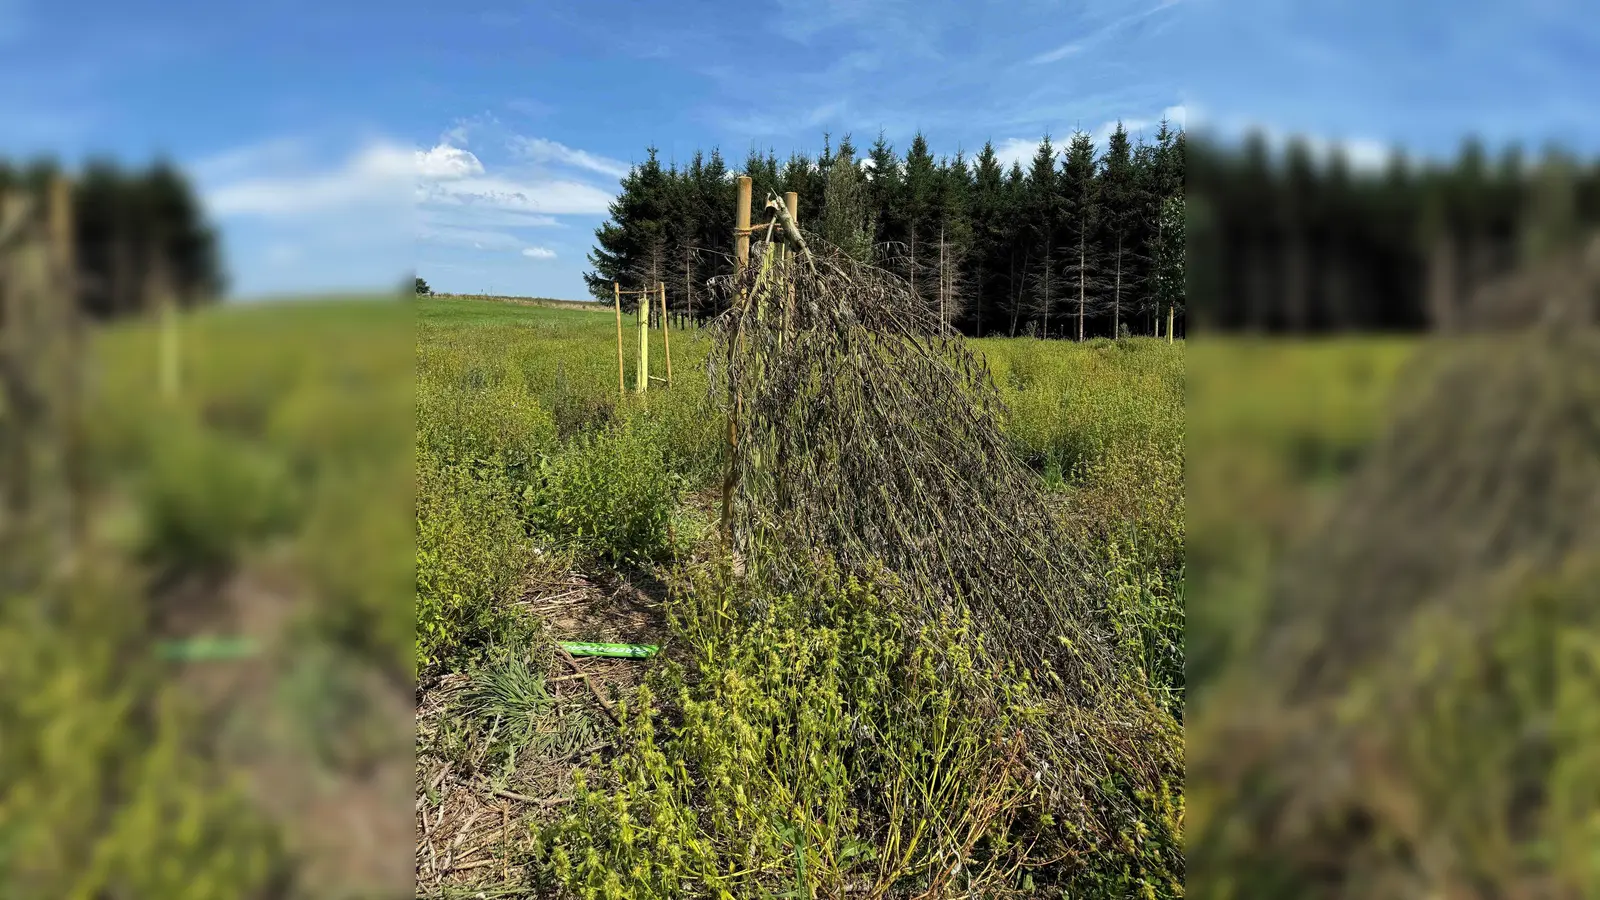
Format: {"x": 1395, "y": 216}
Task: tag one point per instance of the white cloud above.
{"x": 1016, "y": 150}
{"x": 538, "y": 253}
{"x": 541, "y": 197}
{"x": 283, "y": 254}
{"x": 379, "y": 173}
{"x": 542, "y": 150}
{"x": 295, "y": 218}
{"x": 270, "y": 154}
{"x": 445, "y": 161}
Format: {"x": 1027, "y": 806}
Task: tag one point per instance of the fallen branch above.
{"x": 604, "y": 703}
{"x": 536, "y": 801}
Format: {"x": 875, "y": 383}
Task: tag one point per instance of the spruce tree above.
{"x": 846, "y": 219}
{"x": 1120, "y": 214}
{"x": 987, "y": 261}
{"x": 883, "y": 187}
{"x": 954, "y": 240}
{"x": 1043, "y": 227}
{"x": 919, "y": 197}
{"x": 630, "y": 247}
{"x": 1080, "y": 191}
{"x": 1018, "y": 259}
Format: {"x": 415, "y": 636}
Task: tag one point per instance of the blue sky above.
{"x": 337, "y": 144}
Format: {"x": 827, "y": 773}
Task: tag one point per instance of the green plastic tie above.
{"x": 623, "y": 651}
{"x": 198, "y": 649}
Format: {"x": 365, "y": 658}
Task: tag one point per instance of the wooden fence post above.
{"x": 665, "y": 340}
{"x": 616, "y": 298}
{"x": 791, "y": 202}
{"x": 741, "y": 218}
{"x": 644, "y": 343}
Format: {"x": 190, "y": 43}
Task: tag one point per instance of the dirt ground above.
{"x": 473, "y": 824}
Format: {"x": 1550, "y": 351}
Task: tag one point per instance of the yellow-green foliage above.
{"x": 812, "y": 742}
{"x": 89, "y": 727}
{"x": 1271, "y": 425}
{"x": 527, "y": 455}
{"x": 281, "y": 459}
{"x": 820, "y": 745}
{"x": 1071, "y": 404}
{"x": 289, "y": 435}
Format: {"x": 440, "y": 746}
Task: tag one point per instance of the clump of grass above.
{"x": 512, "y": 703}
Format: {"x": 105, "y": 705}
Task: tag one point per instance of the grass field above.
{"x": 550, "y": 507}
{"x": 268, "y": 500}
{"x": 541, "y": 488}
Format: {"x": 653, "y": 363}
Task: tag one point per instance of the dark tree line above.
{"x": 133, "y": 229}
{"x": 1297, "y": 242}
{"x": 1081, "y": 242}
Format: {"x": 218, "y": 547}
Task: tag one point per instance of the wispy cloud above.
{"x": 474, "y": 238}
{"x": 378, "y": 173}
{"x": 542, "y": 150}
{"x": 538, "y": 253}
{"x": 1100, "y": 34}
{"x": 1061, "y": 52}
{"x": 767, "y": 123}
{"x": 536, "y": 196}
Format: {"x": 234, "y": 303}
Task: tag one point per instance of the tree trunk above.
{"x": 1081, "y": 273}
{"x": 1116, "y": 296}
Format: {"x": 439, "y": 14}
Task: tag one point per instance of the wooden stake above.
{"x": 63, "y": 235}
{"x": 666, "y": 341}
{"x": 616, "y": 298}
{"x": 741, "y": 220}
{"x": 642, "y": 383}
{"x": 791, "y": 204}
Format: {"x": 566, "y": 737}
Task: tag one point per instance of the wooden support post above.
{"x": 69, "y": 322}
{"x": 666, "y": 341}
{"x": 642, "y": 383}
{"x": 791, "y": 203}
{"x": 616, "y": 298}
{"x": 741, "y": 224}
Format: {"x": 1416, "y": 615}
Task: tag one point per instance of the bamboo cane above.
{"x": 642, "y": 383}
{"x": 741, "y": 218}
{"x": 666, "y": 341}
